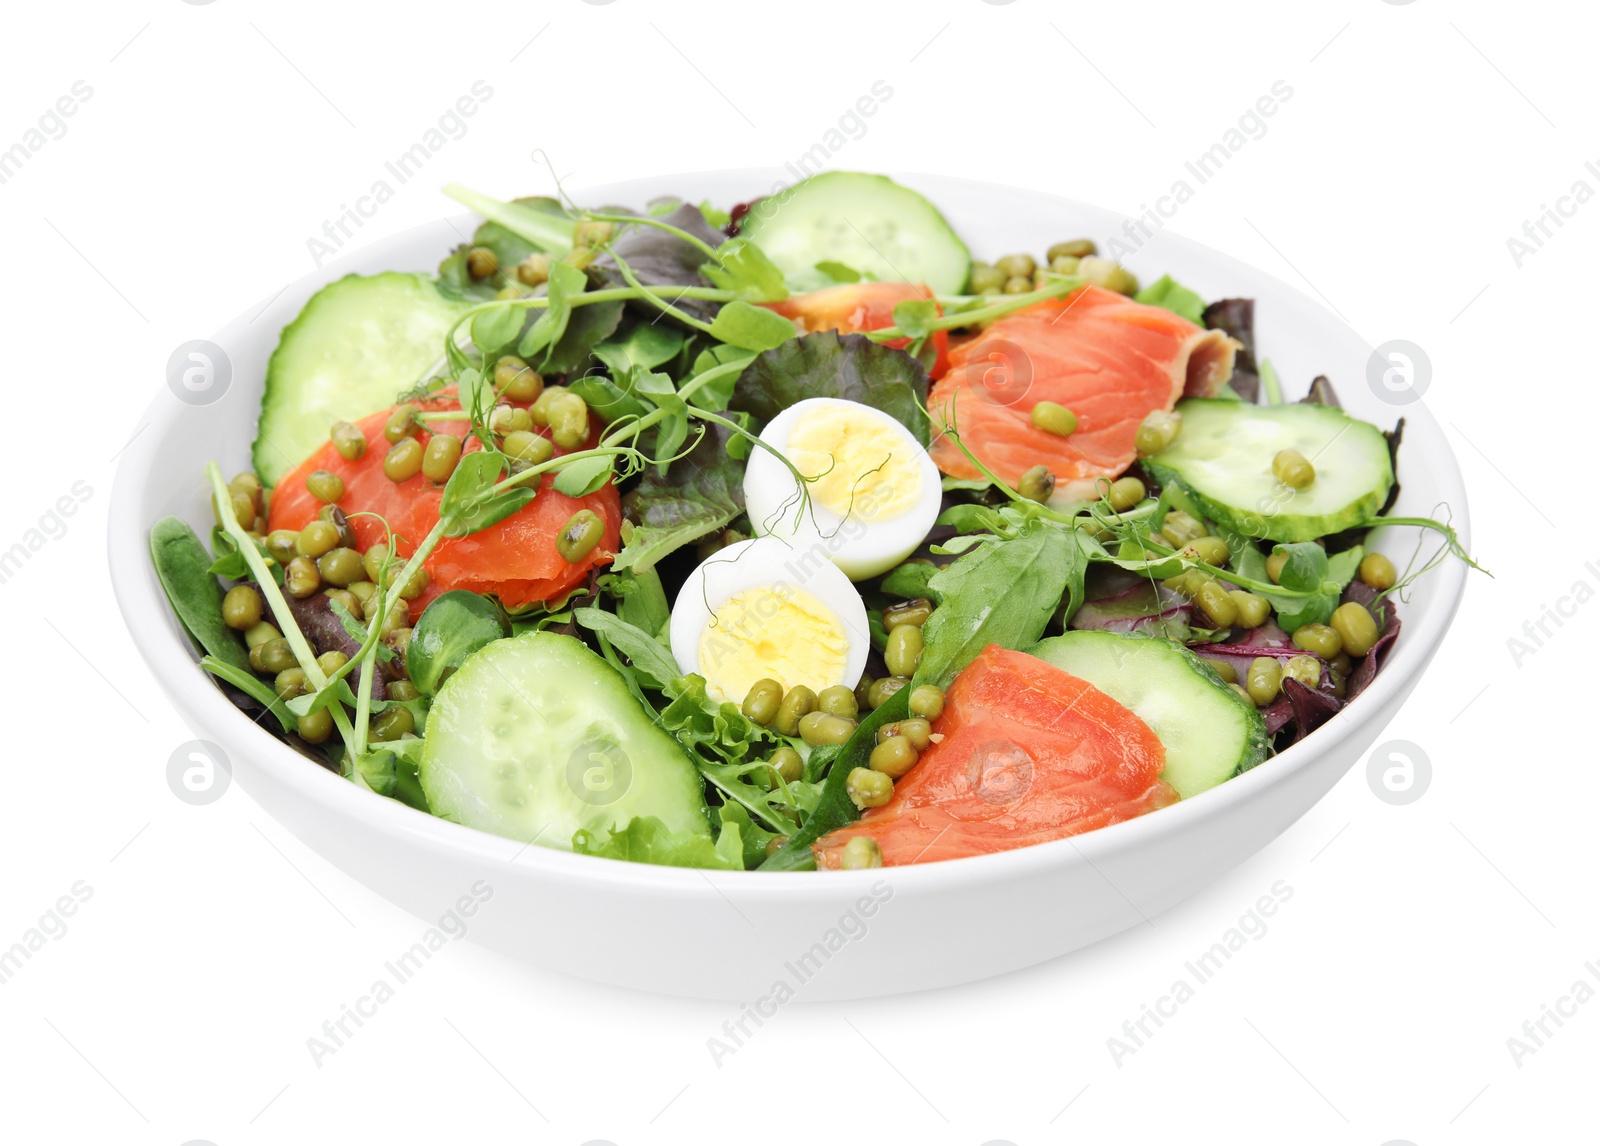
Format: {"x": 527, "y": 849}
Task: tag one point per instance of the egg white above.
{"x": 766, "y": 562}
{"x": 860, "y": 547}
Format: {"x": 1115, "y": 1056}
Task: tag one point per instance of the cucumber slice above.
{"x": 1223, "y": 458}
{"x": 1209, "y": 731}
{"x": 867, "y": 222}
{"x": 355, "y": 346}
{"x": 535, "y": 737}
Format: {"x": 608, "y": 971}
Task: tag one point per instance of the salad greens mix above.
{"x": 787, "y": 536}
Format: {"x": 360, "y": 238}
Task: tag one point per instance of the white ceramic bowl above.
{"x": 826, "y": 936}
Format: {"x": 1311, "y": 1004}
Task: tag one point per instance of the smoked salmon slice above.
{"x": 1108, "y": 359}
{"x": 856, "y": 307}
{"x": 515, "y": 559}
{"x": 1029, "y": 754}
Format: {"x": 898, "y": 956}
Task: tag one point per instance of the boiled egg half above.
{"x": 873, "y": 488}
{"x": 765, "y": 608}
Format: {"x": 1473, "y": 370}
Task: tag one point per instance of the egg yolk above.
{"x": 781, "y": 632}
{"x": 862, "y": 468}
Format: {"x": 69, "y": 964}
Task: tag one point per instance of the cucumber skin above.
{"x": 1257, "y": 744}
{"x": 1285, "y": 527}
{"x": 285, "y": 434}
{"x": 828, "y": 182}
{"x": 579, "y": 694}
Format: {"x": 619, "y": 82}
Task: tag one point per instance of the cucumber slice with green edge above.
{"x": 1209, "y": 731}
{"x": 867, "y": 222}
{"x": 356, "y": 345}
{"x": 535, "y": 737}
{"x": 1222, "y": 457}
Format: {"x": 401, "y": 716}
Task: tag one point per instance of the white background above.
{"x": 1418, "y": 939}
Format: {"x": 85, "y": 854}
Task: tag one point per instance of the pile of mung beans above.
{"x": 831, "y": 716}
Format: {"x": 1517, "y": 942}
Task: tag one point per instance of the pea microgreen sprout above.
{"x": 273, "y": 595}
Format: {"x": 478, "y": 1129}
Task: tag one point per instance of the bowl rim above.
{"x": 172, "y": 661}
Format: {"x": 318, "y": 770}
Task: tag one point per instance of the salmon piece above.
{"x": 515, "y": 559}
{"x": 854, "y": 307}
{"x": 1108, "y": 359}
{"x": 1030, "y": 754}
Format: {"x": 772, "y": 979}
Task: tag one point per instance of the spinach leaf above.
{"x": 453, "y": 627}
{"x": 701, "y": 491}
{"x": 184, "y": 569}
{"x": 651, "y": 661}
{"x": 830, "y": 365}
{"x": 647, "y": 840}
{"x": 1171, "y": 295}
{"x": 835, "y": 808}
{"x": 1003, "y": 592}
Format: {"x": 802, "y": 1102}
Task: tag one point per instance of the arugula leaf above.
{"x": 1168, "y": 294}
{"x": 1002, "y": 592}
{"x": 542, "y": 223}
{"x": 909, "y": 581}
{"x": 740, "y": 323}
{"x": 830, "y": 365}
{"x": 745, "y": 269}
{"x": 641, "y": 600}
{"x": 701, "y": 492}
{"x": 651, "y": 661}
{"x": 834, "y": 807}
{"x": 647, "y": 840}
{"x": 468, "y": 504}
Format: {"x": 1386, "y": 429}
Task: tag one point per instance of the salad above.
{"x": 787, "y": 536}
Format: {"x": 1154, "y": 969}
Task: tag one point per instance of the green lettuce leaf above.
{"x": 1173, "y": 296}
{"x": 648, "y": 840}
{"x": 830, "y": 365}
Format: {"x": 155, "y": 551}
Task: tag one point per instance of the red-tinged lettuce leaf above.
{"x": 1146, "y": 608}
{"x": 1365, "y": 672}
{"x": 660, "y": 258}
{"x": 1310, "y": 708}
{"x": 326, "y": 632}
{"x": 1236, "y": 317}
{"x": 830, "y": 365}
{"x": 700, "y": 492}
